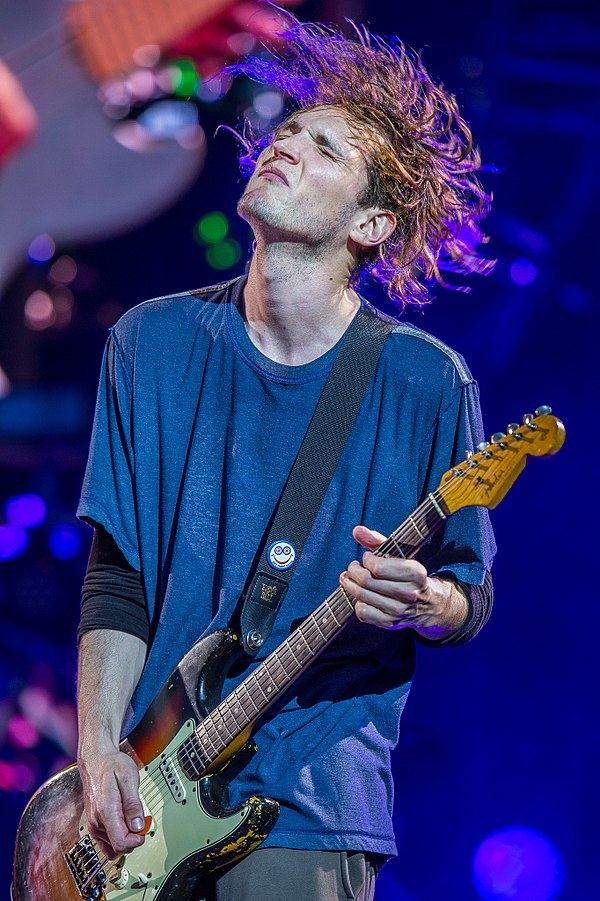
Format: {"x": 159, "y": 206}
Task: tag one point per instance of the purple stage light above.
{"x": 523, "y": 272}
{"x": 518, "y": 864}
{"x": 41, "y": 249}
{"x": 25, "y": 510}
{"x": 13, "y": 542}
{"x": 64, "y": 541}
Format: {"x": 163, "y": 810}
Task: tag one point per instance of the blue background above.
{"x": 504, "y": 731}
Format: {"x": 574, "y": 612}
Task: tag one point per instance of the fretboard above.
{"x": 273, "y": 676}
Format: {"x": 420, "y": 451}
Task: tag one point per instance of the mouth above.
{"x": 272, "y": 174}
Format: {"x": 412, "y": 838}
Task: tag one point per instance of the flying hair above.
{"x": 419, "y": 151}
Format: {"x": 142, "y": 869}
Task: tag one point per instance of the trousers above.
{"x": 283, "y": 874}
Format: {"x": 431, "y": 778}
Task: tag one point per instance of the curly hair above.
{"x": 421, "y": 162}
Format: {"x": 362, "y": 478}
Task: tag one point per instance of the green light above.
{"x": 185, "y": 77}
{"x": 223, "y": 255}
{"x": 212, "y": 228}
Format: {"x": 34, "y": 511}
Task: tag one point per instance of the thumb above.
{"x": 368, "y": 537}
{"x": 132, "y": 806}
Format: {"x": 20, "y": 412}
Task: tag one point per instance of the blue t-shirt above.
{"x": 194, "y": 436}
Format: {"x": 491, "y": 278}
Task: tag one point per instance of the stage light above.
{"x": 25, "y": 510}
{"x": 214, "y": 88}
{"x": 13, "y": 542}
{"x": 184, "y": 77}
{"x": 268, "y": 104}
{"x": 41, "y": 249}
{"x": 212, "y": 227}
{"x": 523, "y": 272}
{"x": 518, "y": 864}
{"x": 39, "y": 311}
{"x": 21, "y": 733}
{"x": 64, "y": 541}
{"x": 223, "y": 255}
{"x": 63, "y": 270}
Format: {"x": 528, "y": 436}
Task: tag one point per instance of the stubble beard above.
{"x": 280, "y": 222}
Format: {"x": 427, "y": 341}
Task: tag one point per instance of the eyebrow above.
{"x": 321, "y": 136}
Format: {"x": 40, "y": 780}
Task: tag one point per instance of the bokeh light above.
{"x": 518, "y": 864}
{"x": 41, "y": 249}
{"x": 63, "y": 270}
{"x": 13, "y": 542}
{"x": 523, "y": 272}
{"x": 64, "y": 541}
{"x": 39, "y": 311}
{"x": 25, "y": 510}
{"x": 212, "y": 227}
{"x": 224, "y": 255}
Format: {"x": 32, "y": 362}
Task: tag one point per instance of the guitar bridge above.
{"x": 84, "y": 866}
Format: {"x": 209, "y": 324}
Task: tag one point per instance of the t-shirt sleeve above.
{"x": 108, "y": 493}
{"x": 465, "y": 544}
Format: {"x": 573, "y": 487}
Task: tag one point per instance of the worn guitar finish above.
{"x": 187, "y": 743}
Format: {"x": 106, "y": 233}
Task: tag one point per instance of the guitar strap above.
{"x": 278, "y": 555}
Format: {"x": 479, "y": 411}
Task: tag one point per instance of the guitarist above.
{"x": 203, "y": 402}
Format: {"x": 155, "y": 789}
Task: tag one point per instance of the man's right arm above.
{"x": 110, "y": 665}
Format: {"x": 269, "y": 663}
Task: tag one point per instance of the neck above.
{"x": 296, "y": 308}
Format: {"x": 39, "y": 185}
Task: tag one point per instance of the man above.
{"x": 203, "y": 403}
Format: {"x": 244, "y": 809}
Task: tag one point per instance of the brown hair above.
{"x": 420, "y": 156}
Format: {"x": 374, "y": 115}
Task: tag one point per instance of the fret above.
{"x": 246, "y": 686}
{"x": 222, "y": 725}
{"x": 314, "y": 619}
{"x": 257, "y": 675}
{"x": 399, "y": 550}
{"x": 347, "y": 597}
{"x": 280, "y": 662}
{"x": 417, "y": 530}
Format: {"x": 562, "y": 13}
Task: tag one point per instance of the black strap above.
{"x": 276, "y": 560}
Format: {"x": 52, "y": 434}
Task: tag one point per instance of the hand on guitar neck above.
{"x": 394, "y": 593}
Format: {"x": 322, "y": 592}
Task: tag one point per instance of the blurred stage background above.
{"x": 497, "y": 765}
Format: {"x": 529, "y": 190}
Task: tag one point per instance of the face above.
{"x": 307, "y": 182}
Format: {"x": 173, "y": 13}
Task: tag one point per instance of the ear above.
{"x": 373, "y": 228}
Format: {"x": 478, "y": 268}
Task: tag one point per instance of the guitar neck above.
{"x": 240, "y": 710}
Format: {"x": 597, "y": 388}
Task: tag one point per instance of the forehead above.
{"x": 330, "y": 122}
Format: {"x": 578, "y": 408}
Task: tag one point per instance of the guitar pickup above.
{"x": 173, "y": 779}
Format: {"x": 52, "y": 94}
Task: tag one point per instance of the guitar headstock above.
{"x": 484, "y": 477}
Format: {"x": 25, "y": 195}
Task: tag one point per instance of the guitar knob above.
{"x": 497, "y": 437}
{"x": 527, "y": 418}
{"x": 543, "y": 410}
{"x": 512, "y": 427}
{"x": 483, "y": 446}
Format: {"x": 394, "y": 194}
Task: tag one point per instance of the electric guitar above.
{"x": 186, "y": 744}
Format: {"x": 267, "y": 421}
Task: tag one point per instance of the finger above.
{"x": 372, "y": 616}
{"x": 408, "y": 572}
{"x": 128, "y": 782}
{"x": 394, "y": 608}
{"x": 115, "y": 821}
{"x": 368, "y": 537}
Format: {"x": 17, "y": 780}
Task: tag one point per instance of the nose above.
{"x": 286, "y": 147}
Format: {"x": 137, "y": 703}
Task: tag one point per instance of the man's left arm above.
{"x": 393, "y": 593}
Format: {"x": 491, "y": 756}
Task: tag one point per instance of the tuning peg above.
{"x": 468, "y": 454}
{"x": 483, "y": 446}
{"x": 543, "y": 410}
{"x": 512, "y": 427}
{"x": 527, "y": 418}
{"x": 497, "y": 437}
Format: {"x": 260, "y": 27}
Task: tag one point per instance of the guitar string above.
{"x": 418, "y": 518}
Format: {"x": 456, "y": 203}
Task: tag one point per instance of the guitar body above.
{"x": 191, "y": 831}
